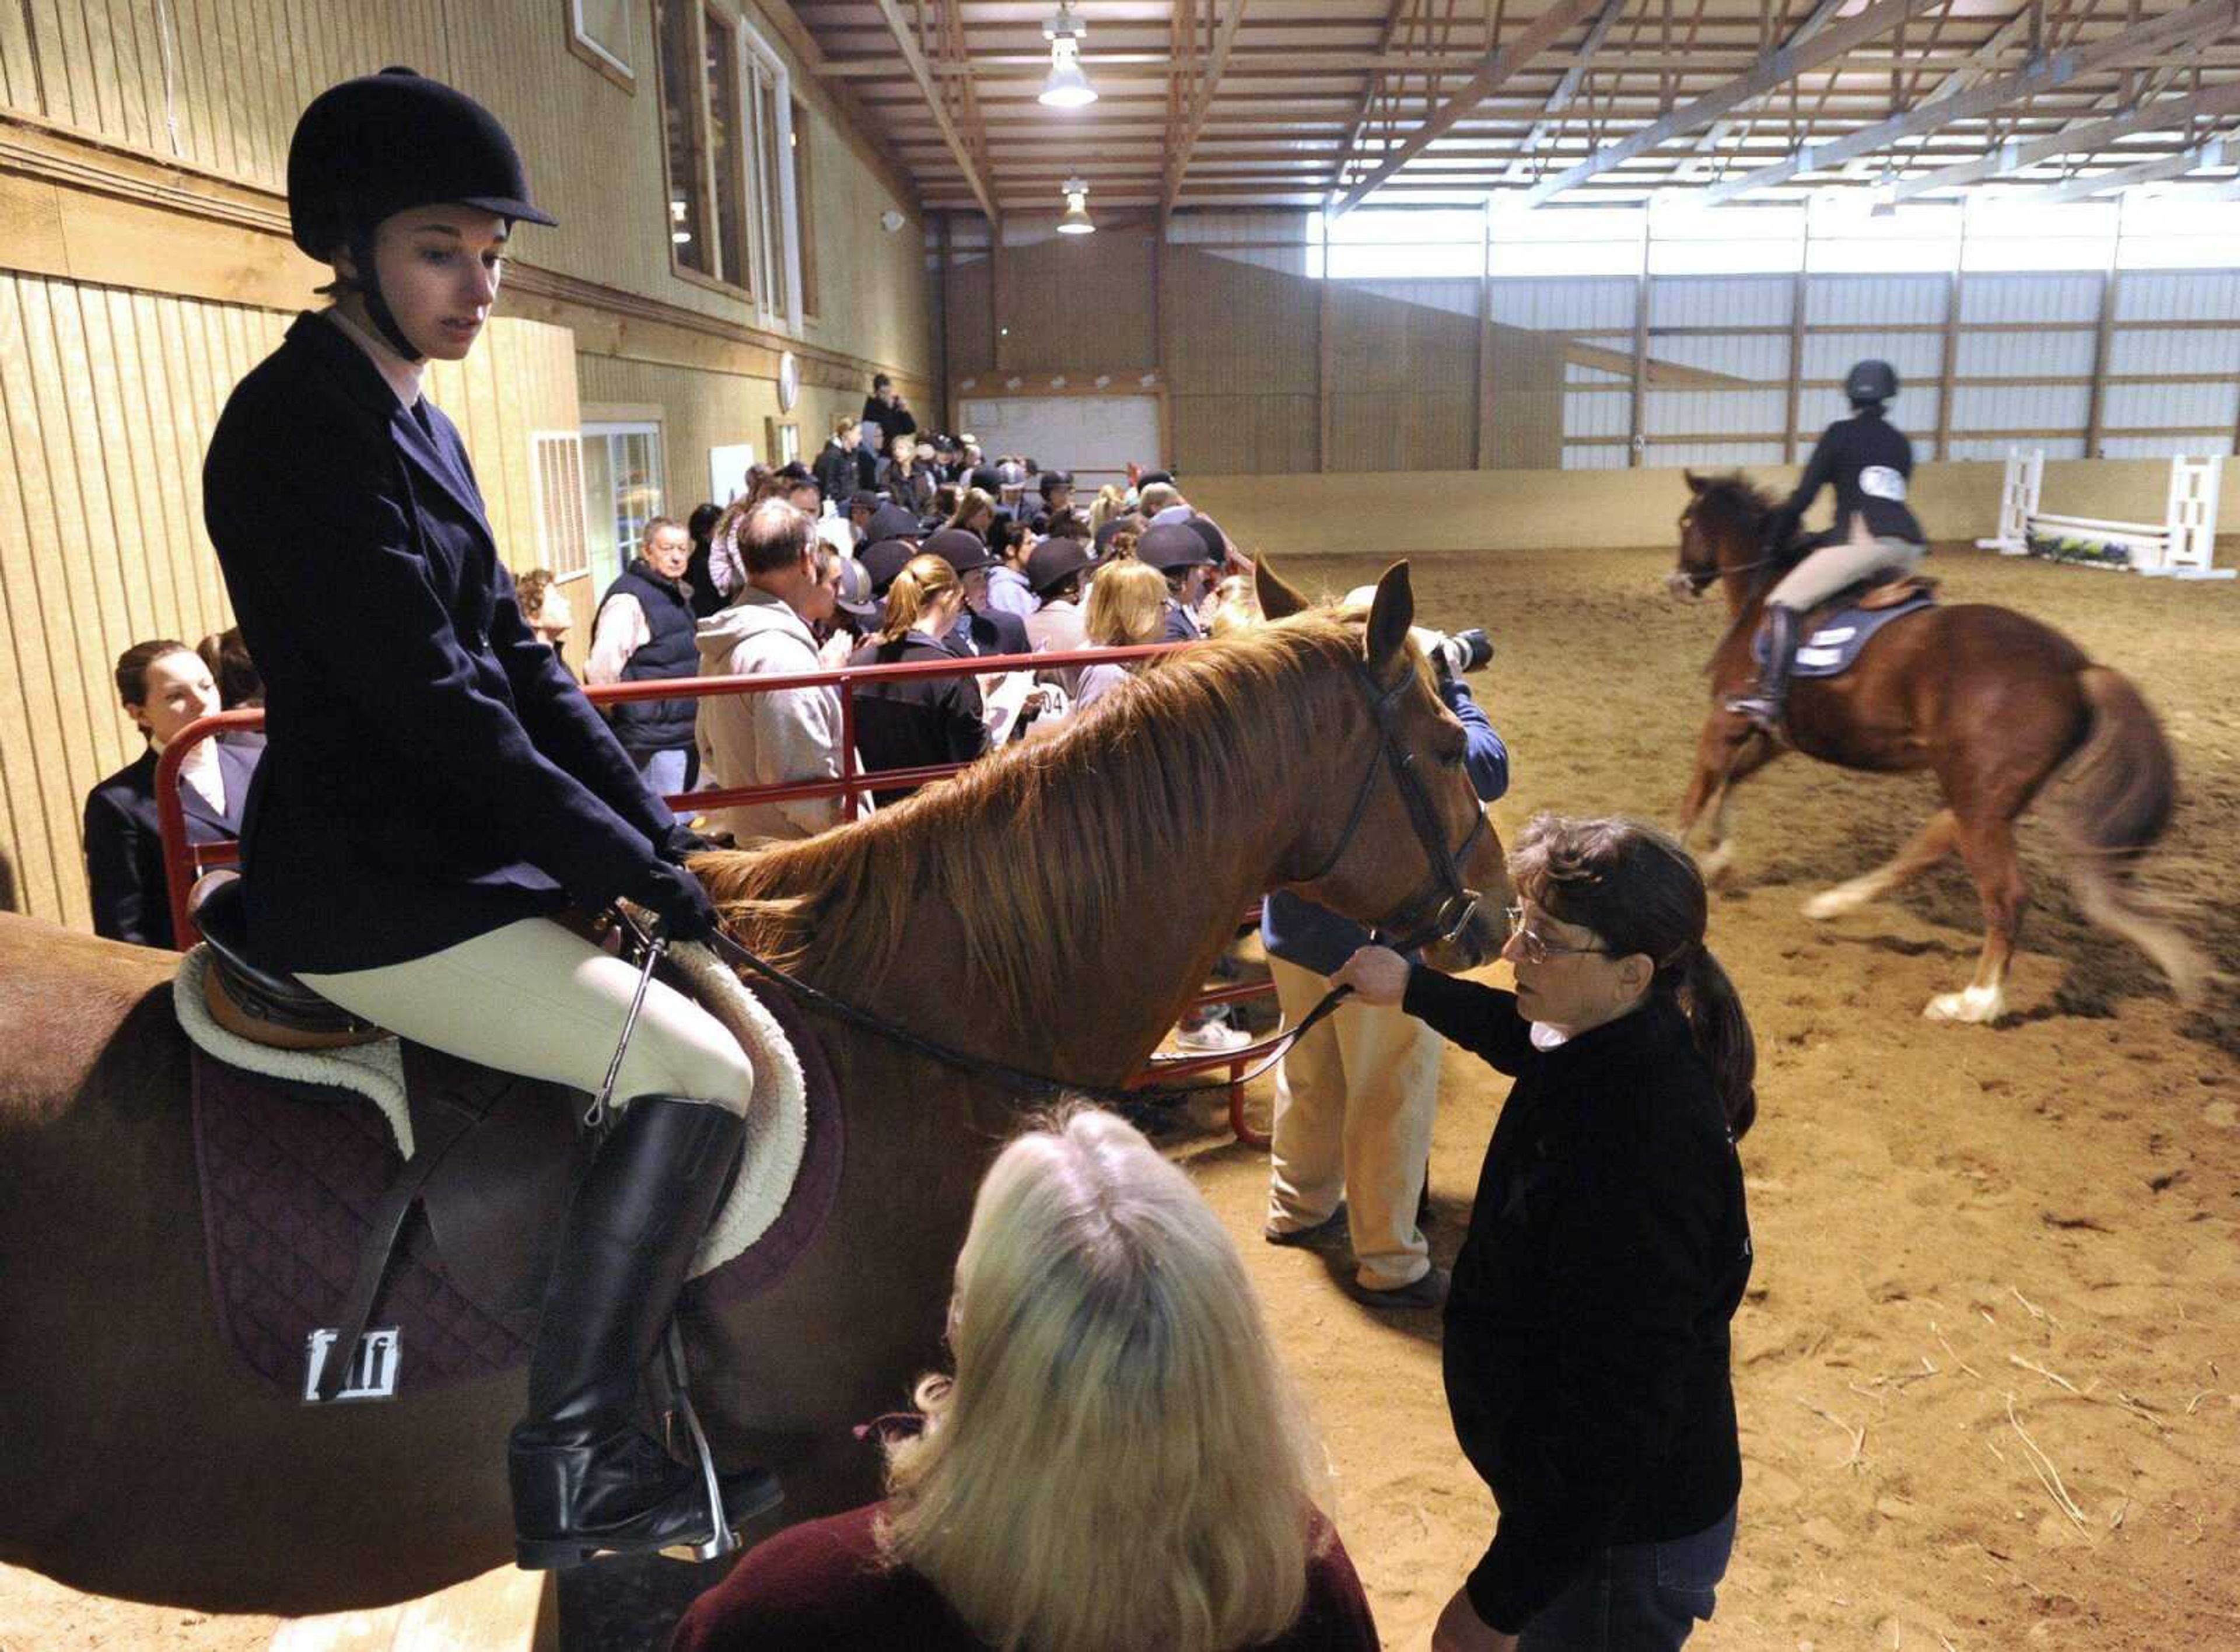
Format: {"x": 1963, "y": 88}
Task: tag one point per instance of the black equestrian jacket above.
{"x": 431, "y": 772}
{"x": 1870, "y": 463}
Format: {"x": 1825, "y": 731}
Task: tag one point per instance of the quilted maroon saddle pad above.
{"x": 292, "y": 1174}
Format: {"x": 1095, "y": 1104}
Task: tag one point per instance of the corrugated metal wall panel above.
{"x": 1917, "y": 357}
{"x": 1761, "y": 358}
{"x": 1455, "y": 298}
{"x": 2211, "y": 406}
{"x": 1871, "y": 301}
{"x": 2178, "y": 295}
{"x": 1718, "y": 456}
{"x": 2211, "y": 353}
{"x": 1719, "y": 301}
{"x": 2030, "y": 296}
{"x": 2023, "y": 355}
{"x": 1714, "y": 413}
{"x": 2020, "y": 408}
{"x": 1596, "y": 415}
{"x": 1210, "y": 228}
{"x": 1995, "y": 449}
{"x": 2160, "y": 447}
{"x": 1576, "y": 458}
{"x": 1566, "y": 306}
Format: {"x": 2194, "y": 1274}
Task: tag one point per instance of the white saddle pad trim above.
{"x": 776, "y": 1115}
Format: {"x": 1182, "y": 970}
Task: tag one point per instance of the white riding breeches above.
{"x": 537, "y": 998}
{"x": 1827, "y": 571}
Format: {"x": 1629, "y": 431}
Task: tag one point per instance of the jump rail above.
{"x": 184, "y": 862}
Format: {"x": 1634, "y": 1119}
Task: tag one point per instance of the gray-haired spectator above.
{"x": 642, "y": 632}
{"x": 769, "y": 629}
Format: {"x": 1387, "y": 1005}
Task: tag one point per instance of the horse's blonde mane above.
{"x": 1033, "y": 849}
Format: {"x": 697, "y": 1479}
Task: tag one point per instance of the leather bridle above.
{"x": 1448, "y": 904}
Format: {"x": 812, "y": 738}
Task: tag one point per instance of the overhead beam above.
{"x": 1384, "y": 56}
{"x": 2221, "y": 152}
{"x": 1499, "y": 64}
{"x": 1200, "y": 105}
{"x": 1568, "y": 87}
{"x": 2018, "y": 155}
{"x": 2043, "y": 73}
{"x": 1774, "y": 69}
{"x": 906, "y": 41}
{"x": 1821, "y": 16}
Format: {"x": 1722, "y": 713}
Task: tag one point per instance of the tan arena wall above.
{"x": 1422, "y": 511}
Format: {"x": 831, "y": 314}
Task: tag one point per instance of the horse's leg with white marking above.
{"x": 1930, "y": 845}
{"x": 1988, "y": 849}
{"x": 1727, "y": 752}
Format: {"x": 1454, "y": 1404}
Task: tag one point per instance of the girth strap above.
{"x": 433, "y": 1137}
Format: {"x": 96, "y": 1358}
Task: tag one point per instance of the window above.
{"x": 556, "y": 468}
{"x": 599, "y": 33}
{"x": 804, "y": 211}
{"x": 621, "y": 493}
{"x": 726, "y": 117}
{"x": 784, "y": 442}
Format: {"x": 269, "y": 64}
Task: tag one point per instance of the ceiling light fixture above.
{"x": 1066, "y": 87}
{"x": 1074, "y": 220}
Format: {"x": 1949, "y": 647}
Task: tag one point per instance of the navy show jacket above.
{"x": 431, "y": 771}
{"x": 124, "y": 843}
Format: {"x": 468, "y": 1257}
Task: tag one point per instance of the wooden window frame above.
{"x": 596, "y": 53}
{"x": 750, "y": 46}
{"x": 804, "y": 191}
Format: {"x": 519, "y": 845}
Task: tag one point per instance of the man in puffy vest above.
{"x": 644, "y": 630}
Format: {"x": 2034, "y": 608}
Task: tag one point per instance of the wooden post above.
{"x": 2095, "y": 417}
{"x": 1797, "y": 294}
{"x": 1162, "y": 320}
{"x": 946, "y": 400}
{"x": 1483, "y": 399}
{"x": 1949, "y": 368}
{"x": 996, "y": 292}
{"x": 1637, "y": 444}
{"x": 1323, "y": 375}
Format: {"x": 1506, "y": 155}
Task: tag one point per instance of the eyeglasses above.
{"x": 1536, "y": 947}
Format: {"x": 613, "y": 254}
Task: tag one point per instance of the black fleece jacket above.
{"x": 1586, "y": 1346}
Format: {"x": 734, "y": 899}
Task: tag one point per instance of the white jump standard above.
{"x": 2182, "y": 546}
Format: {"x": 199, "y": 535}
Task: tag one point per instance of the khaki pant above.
{"x": 1827, "y": 571}
{"x": 1353, "y": 1103}
{"x": 538, "y": 999}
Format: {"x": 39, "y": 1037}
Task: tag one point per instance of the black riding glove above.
{"x": 682, "y": 842}
{"x": 1780, "y": 529}
{"x": 675, "y": 896}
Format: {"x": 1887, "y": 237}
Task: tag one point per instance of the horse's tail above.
{"x": 2115, "y": 796}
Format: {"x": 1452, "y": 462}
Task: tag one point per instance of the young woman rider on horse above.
{"x": 435, "y": 787}
{"x": 1868, "y": 460}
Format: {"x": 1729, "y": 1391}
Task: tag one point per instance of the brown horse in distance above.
{"x": 1053, "y": 908}
{"x": 1989, "y": 701}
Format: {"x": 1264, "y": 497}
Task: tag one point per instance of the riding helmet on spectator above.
{"x": 892, "y": 521}
{"x": 962, "y": 551}
{"x": 382, "y": 143}
{"x": 1172, "y": 546}
{"x": 1208, "y": 529}
{"x": 1054, "y": 562}
{"x": 884, "y": 560}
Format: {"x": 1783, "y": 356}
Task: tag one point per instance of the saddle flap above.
{"x": 493, "y": 1204}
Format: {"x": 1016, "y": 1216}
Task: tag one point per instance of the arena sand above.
{"x": 1988, "y": 1369}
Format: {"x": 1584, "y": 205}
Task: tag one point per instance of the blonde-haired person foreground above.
{"x": 1127, "y": 609}
{"x": 1117, "y": 1465}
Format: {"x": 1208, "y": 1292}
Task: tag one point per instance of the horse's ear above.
{"x": 1695, "y": 483}
{"x": 1390, "y": 616}
{"x": 1278, "y": 599}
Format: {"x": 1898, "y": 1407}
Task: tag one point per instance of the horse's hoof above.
{"x": 1974, "y": 1006}
{"x": 1834, "y": 903}
{"x": 1717, "y": 867}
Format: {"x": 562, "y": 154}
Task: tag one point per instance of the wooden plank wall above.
{"x": 216, "y": 85}
{"x": 1268, "y": 372}
{"x": 109, "y": 397}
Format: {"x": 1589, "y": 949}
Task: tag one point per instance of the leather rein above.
{"x": 1449, "y": 902}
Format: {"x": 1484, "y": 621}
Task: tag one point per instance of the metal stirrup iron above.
{"x": 724, "y": 1540}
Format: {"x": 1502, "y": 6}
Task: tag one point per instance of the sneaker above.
{"x": 1429, "y": 1291}
{"x": 1330, "y": 1231}
{"x": 1213, "y": 1038}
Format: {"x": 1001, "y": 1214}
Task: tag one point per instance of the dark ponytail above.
{"x": 1723, "y": 1036}
{"x": 1639, "y": 891}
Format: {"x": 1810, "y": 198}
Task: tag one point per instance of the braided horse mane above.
{"x": 1032, "y": 847}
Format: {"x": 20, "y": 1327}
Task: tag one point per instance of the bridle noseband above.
{"x": 1451, "y": 903}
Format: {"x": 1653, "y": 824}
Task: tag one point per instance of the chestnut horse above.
{"x": 1993, "y": 703}
{"x": 1053, "y": 908}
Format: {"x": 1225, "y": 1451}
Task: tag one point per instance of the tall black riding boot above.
{"x": 1765, "y": 704}
{"x": 586, "y": 1478}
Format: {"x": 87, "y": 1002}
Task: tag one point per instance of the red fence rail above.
{"x": 184, "y": 862}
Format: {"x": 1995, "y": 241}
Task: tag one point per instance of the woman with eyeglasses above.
{"x": 1586, "y": 1349}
